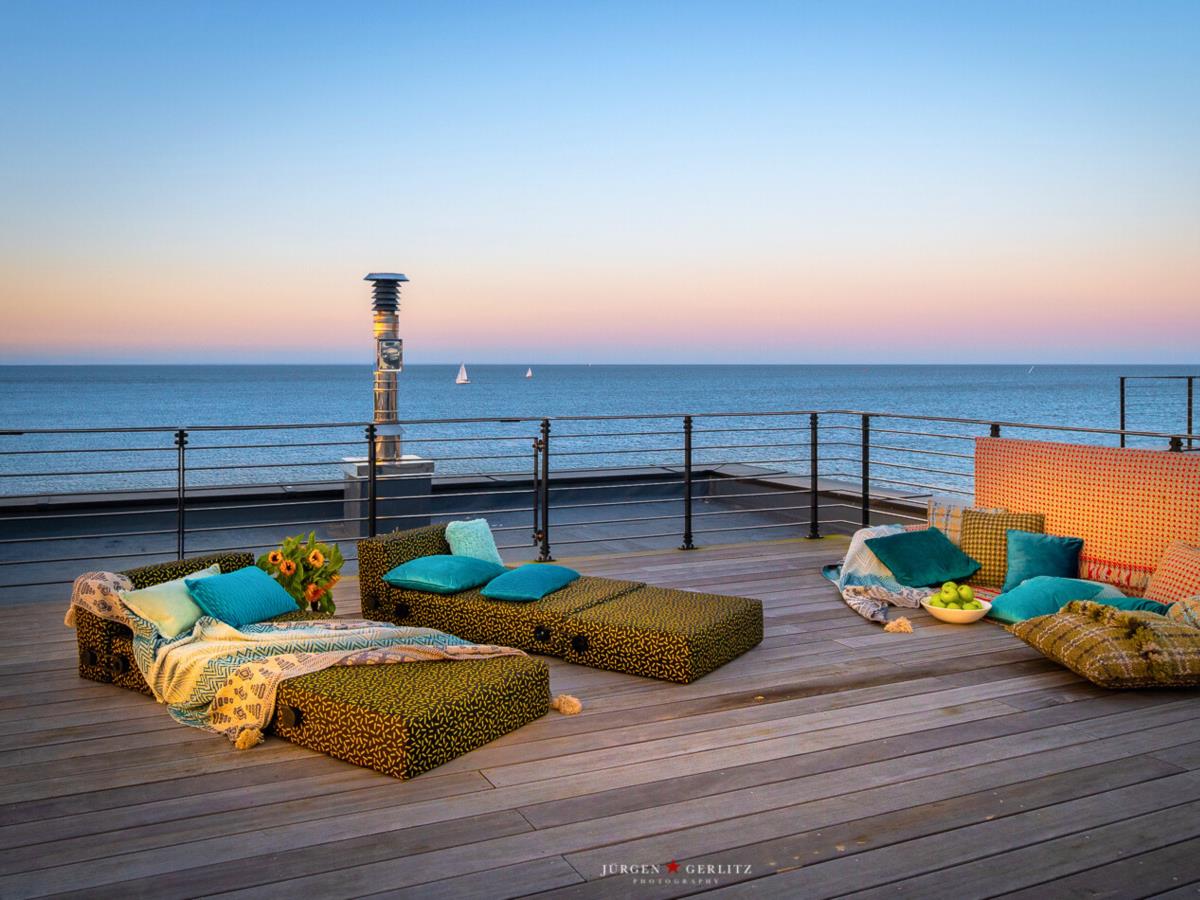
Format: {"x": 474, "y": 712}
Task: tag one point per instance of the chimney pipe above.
{"x": 389, "y": 360}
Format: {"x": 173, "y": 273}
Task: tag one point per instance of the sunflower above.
{"x": 316, "y": 559}
{"x": 313, "y": 592}
{"x": 274, "y": 557}
{"x": 332, "y": 581}
{"x": 287, "y": 567}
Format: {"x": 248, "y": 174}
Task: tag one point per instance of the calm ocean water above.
{"x": 184, "y": 396}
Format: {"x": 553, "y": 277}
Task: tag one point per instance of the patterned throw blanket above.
{"x": 866, "y": 584}
{"x": 224, "y": 679}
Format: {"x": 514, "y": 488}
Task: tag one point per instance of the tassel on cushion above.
{"x": 566, "y": 704}
{"x": 247, "y": 738}
{"x": 899, "y": 626}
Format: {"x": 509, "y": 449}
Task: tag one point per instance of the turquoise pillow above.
{"x": 1044, "y": 595}
{"x": 1031, "y": 555}
{"x": 922, "y": 558}
{"x": 532, "y": 581}
{"x": 473, "y": 538}
{"x": 242, "y": 597}
{"x": 168, "y": 606}
{"x": 443, "y": 574}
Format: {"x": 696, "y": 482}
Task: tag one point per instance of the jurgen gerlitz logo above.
{"x": 673, "y": 872}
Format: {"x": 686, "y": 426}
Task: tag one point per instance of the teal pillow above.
{"x": 473, "y": 538}
{"x": 443, "y": 574}
{"x": 532, "y": 581}
{"x": 1044, "y": 595}
{"x": 168, "y": 606}
{"x": 242, "y": 597}
{"x": 1031, "y": 555}
{"x": 923, "y": 558}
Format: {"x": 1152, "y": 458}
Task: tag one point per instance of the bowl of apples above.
{"x": 956, "y": 604}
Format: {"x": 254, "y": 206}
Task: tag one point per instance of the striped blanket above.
{"x": 866, "y": 584}
{"x": 224, "y": 679}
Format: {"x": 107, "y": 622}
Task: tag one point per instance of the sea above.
{"x": 193, "y": 397}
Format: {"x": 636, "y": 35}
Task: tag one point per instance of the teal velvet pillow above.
{"x": 242, "y": 597}
{"x": 922, "y": 558}
{"x": 168, "y": 606}
{"x": 443, "y": 573}
{"x": 1044, "y": 595}
{"x": 532, "y": 581}
{"x": 1031, "y": 555}
{"x": 473, "y": 538}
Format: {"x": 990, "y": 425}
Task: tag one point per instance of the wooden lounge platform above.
{"x": 833, "y": 759}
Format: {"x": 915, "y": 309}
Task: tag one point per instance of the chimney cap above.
{"x": 386, "y": 276}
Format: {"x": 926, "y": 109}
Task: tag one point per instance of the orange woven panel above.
{"x": 1127, "y": 505}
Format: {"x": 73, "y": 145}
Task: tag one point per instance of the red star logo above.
{"x": 672, "y": 867}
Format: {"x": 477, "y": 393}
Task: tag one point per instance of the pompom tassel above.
{"x": 899, "y": 626}
{"x": 566, "y": 704}
{"x": 247, "y": 738}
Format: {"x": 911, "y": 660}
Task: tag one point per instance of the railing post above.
{"x": 372, "y": 482}
{"x": 814, "y": 506}
{"x": 687, "y": 485}
{"x": 544, "y": 487}
{"x": 537, "y": 491}
{"x": 866, "y": 471}
{"x": 1190, "y": 430}
{"x": 1176, "y": 445}
{"x": 995, "y": 430}
{"x": 181, "y": 437}
{"x": 1122, "y": 410}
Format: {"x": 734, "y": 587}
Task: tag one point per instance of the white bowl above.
{"x": 957, "y": 616}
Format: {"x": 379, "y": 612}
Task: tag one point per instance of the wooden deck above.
{"x": 834, "y": 759}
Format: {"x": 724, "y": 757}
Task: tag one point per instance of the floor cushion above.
{"x": 1177, "y": 575}
{"x": 1044, "y": 595}
{"x": 985, "y": 540}
{"x": 1116, "y": 648}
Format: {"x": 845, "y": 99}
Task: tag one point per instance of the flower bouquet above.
{"x": 307, "y": 568}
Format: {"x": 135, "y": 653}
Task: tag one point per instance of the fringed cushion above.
{"x": 1115, "y": 648}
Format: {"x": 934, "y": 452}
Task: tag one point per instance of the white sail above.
{"x": 462, "y": 375}
{"x": 529, "y": 373}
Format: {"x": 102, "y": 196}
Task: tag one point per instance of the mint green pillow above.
{"x": 1031, "y": 555}
{"x": 242, "y": 597}
{"x": 443, "y": 574}
{"x": 168, "y": 606}
{"x": 532, "y": 581}
{"x": 1044, "y": 595}
{"x": 922, "y": 558}
{"x": 473, "y": 537}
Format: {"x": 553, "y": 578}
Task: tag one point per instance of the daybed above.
{"x": 401, "y": 718}
{"x": 623, "y": 626}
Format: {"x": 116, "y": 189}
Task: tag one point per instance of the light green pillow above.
{"x": 168, "y": 606}
{"x": 473, "y": 537}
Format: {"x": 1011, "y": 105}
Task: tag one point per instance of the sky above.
{"x": 601, "y": 182}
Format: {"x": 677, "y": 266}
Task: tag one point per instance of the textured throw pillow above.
{"x": 532, "y": 581}
{"x": 1030, "y": 555}
{"x": 1177, "y": 575}
{"x": 1117, "y": 649}
{"x": 985, "y": 539}
{"x": 947, "y": 517}
{"x": 1043, "y": 595}
{"x": 443, "y": 574}
{"x": 473, "y": 538}
{"x": 1185, "y": 612}
{"x": 240, "y": 598}
{"x": 168, "y": 606}
{"x": 922, "y": 558}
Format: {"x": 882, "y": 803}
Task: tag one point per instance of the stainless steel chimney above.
{"x": 389, "y": 360}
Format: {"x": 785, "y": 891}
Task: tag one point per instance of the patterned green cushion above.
{"x": 1115, "y": 648}
{"x": 985, "y": 540}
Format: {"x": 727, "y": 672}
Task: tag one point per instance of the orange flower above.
{"x": 316, "y": 559}
{"x": 313, "y": 592}
{"x": 334, "y": 580}
{"x": 287, "y": 567}
{"x": 274, "y": 557}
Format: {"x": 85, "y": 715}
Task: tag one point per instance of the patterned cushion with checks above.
{"x": 985, "y": 539}
{"x": 1177, "y": 575}
{"x": 946, "y": 517}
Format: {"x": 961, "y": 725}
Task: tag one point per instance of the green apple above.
{"x": 953, "y": 606}
{"x": 965, "y": 594}
{"x": 936, "y": 600}
{"x": 949, "y": 587}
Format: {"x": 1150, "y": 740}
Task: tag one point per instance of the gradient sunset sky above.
{"x": 642, "y": 182}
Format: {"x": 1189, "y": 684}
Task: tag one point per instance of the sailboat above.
{"x": 462, "y": 375}
{"x": 529, "y": 373}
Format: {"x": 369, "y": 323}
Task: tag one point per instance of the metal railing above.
{"x": 611, "y": 482}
